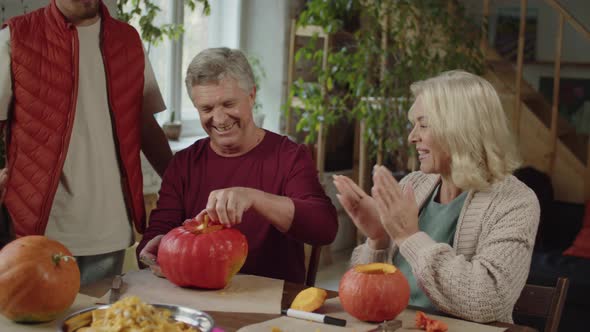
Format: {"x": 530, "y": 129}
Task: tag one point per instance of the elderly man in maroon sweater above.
{"x": 259, "y": 182}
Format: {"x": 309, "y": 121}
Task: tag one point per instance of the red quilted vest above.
{"x": 44, "y": 64}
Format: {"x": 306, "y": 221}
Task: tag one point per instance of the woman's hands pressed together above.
{"x": 361, "y": 207}
{"x": 398, "y": 210}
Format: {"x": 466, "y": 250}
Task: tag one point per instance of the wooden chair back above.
{"x": 312, "y": 261}
{"x": 543, "y": 302}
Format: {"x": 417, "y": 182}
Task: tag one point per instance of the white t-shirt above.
{"x": 88, "y": 214}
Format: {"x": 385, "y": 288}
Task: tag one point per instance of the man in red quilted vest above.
{"x": 77, "y": 99}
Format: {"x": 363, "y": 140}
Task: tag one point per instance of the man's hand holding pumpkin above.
{"x": 3, "y": 181}
{"x": 149, "y": 255}
{"x": 227, "y": 206}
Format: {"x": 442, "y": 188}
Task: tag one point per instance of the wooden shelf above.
{"x": 548, "y": 63}
{"x": 310, "y": 31}
{"x": 297, "y": 103}
{"x": 563, "y": 63}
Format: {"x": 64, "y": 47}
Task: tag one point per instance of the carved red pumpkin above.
{"x": 374, "y": 292}
{"x": 202, "y": 255}
{"x": 39, "y": 279}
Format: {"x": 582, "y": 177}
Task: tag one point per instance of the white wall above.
{"x": 265, "y": 30}
{"x": 15, "y": 8}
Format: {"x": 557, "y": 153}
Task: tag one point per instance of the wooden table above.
{"x": 231, "y": 321}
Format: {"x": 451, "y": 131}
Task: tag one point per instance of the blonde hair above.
{"x": 466, "y": 116}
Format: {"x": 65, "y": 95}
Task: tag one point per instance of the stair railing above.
{"x": 563, "y": 16}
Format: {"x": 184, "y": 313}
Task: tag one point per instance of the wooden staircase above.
{"x": 546, "y": 140}
{"x": 535, "y": 133}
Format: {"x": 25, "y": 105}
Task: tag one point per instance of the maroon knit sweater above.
{"x": 277, "y": 166}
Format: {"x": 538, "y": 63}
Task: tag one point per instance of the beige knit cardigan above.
{"x": 482, "y": 275}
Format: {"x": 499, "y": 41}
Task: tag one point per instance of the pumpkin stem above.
{"x": 205, "y": 227}
{"x": 56, "y": 258}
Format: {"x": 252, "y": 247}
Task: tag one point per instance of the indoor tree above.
{"x": 388, "y": 46}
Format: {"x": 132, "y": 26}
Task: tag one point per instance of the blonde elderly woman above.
{"x": 461, "y": 229}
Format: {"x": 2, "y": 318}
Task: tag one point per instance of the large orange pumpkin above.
{"x": 374, "y": 292}
{"x": 202, "y": 255}
{"x": 39, "y": 279}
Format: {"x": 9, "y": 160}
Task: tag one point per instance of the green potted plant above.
{"x": 173, "y": 128}
{"x": 388, "y": 45}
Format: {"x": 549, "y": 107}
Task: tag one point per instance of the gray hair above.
{"x": 212, "y": 65}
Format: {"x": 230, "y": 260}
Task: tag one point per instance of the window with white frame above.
{"x": 169, "y": 59}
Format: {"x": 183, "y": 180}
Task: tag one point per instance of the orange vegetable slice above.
{"x": 428, "y": 324}
{"x": 309, "y": 299}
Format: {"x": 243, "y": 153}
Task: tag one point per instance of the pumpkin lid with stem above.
{"x": 205, "y": 227}
{"x": 376, "y": 268}
{"x": 56, "y": 258}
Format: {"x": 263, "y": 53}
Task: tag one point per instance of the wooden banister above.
{"x": 288, "y": 116}
{"x": 555, "y": 106}
{"x": 520, "y": 59}
{"x": 322, "y": 131}
{"x": 362, "y": 155}
{"x": 569, "y": 18}
{"x": 484, "y": 27}
{"x": 564, "y": 15}
{"x": 382, "y": 71}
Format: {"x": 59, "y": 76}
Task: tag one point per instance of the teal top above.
{"x": 439, "y": 221}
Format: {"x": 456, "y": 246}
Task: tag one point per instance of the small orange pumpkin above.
{"x": 374, "y": 292}
{"x": 39, "y": 279}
